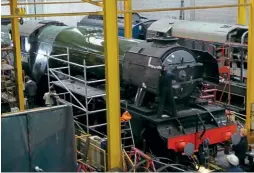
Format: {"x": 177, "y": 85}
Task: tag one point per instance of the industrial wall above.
{"x": 58, "y": 8}
{"x": 225, "y": 15}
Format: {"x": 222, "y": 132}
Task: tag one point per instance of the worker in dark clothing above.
{"x": 233, "y": 162}
{"x": 30, "y": 92}
{"x": 166, "y": 95}
{"x": 242, "y": 147}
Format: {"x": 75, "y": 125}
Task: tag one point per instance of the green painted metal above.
{"x": 84, "y": 43}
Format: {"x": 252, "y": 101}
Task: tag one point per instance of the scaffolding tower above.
{"x": 74, "y": 85}
{"x": 80, "y": 86}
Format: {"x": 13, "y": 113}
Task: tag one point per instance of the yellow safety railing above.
{"x": 56, "y": 2}
{"x": 46, "y": 3}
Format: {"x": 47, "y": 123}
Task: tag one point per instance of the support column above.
{"x": 112, "y": 84}
{"x": 241, "y": 18}
{"x": 250, "y": 68}
{"x": 127, "y": 19}
{"x": 17, "y": 53}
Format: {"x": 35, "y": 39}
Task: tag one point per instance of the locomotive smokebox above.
{"x": 143, "y": 65}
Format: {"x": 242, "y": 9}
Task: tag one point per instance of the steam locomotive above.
{"x": 139, "y": 24}
{"x": 228, "y": 43}
{"x": 160, "y": 81}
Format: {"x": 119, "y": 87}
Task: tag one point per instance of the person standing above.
{"x": 51, "y": 99}
{"x": 242, "y": 147}
{"x": 166, "y": 96}
{"x": 30, "y": 92}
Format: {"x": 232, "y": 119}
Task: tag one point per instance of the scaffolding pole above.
{"x": 127, "y": 19}
{"x": 112, "y": 84}
{"x": 241, "y": 18}
{"x": 250, "y": 72}
{"x": 18, "y": 64}
{"x": 51, "y": 15}
{"x": 45, "y": 3}
{"x": 184, "y": 8}
{"x": 57, "y": 2}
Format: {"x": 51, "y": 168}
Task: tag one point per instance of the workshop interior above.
{"x": 127, "y": 86}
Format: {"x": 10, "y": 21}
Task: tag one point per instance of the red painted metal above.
{"x": 215, "y": 136}
{"x": 83, "y": 167}
{"x": 208, "y": 93}
{"x": 207, "y": 97}
{"x": 209, "y": 90}
{"x": 140, "y": 155}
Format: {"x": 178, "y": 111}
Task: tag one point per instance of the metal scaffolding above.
{"x": 74, "y": 86}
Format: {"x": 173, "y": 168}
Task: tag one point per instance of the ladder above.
{"x": 126, "y": 132}
{"x": 225, "y": 71}
{"x": 208, "y": 92}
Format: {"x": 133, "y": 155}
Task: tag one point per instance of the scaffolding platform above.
{"x": 80, "y": 88}
{"x": 75, "y": 86}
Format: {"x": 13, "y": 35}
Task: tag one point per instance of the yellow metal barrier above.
{"x": 127, "y": 19}
{"x": 16, "y": 41}
{"x": 20, "y": 11}
{"x": 94, "y": 3}
{"x": 45, "y": 3}
{"x": 250, "y": 72}
{"x": 127, "y": 11}
{"x": 55, "y": 2}
{"x": 241, "y": 17}
{"x": 185, "y": 8}
{"x": 112, "y": 84}
{"x": 52, "y": 15}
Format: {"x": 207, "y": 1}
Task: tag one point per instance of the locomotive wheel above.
{"x": 214, "y": 151}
